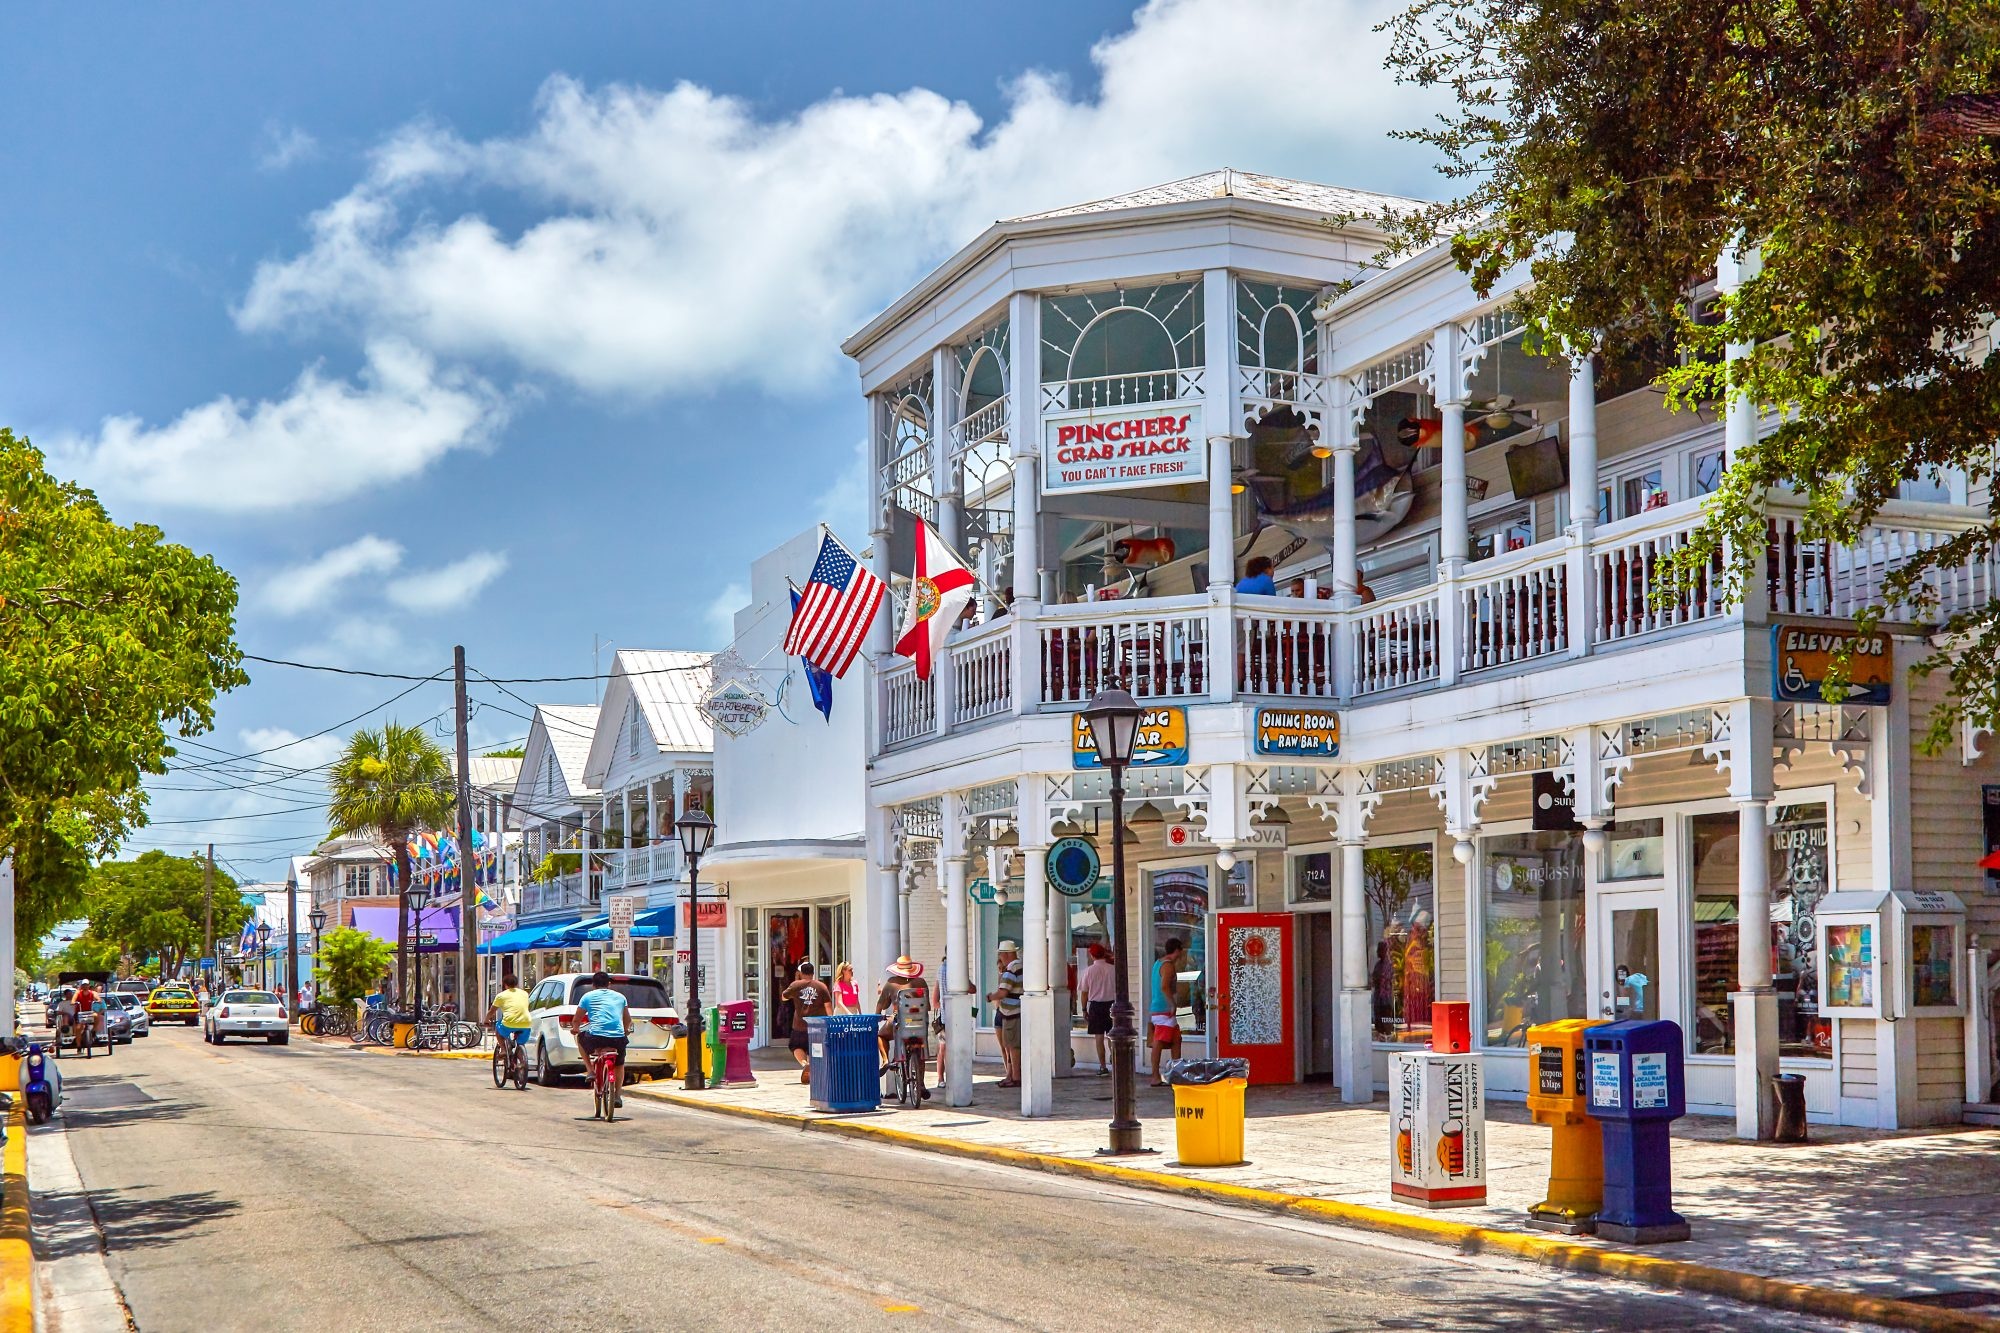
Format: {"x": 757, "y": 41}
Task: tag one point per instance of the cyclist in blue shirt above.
{"x": 607, "y": 1025}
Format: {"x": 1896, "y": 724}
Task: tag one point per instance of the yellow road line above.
{"x": 1470, "y": 1238}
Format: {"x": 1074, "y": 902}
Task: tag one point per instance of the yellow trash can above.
{"x": 1208, "y": 1122}
{"x": 681, "y": 1058}
{"x": 400, "y": 1036}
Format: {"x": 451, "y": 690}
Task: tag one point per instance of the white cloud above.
{"x": 719, "y": 617}
{"x": 298, "y": 589}
{"x": 843, "y": 505}
{"x": 279, "y": 746}
{"x": 448, "y": 585}
{"x": 325, "y": 440}
{"x": 684, "y": 241}
{"x": 285, "y": 146}
{"x": 370, "y": 640}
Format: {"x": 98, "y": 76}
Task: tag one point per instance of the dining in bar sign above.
{"x": 1149, "y": 444}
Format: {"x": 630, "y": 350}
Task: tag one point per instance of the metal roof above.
{"x": 668, "y": 686}
{"x": 1229, "y": 183}
{"x": 569, "y": 729}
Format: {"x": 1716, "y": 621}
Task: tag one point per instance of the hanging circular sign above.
{"x": 1073, "y": 867}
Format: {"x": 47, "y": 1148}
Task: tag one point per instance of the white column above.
{"x": 1448, "y": 382}
{"x": 1221, "y": 515}
{"x": 1038, "y": 1035}
{"x": 1737, "y": 265}
{"x": 1889, "y": 823}
{"x": 1221, "y": 419}
{"x": 652, "y": 828}
{"x": 1754, "y": 1003}
{"x": 1346, "y": 561}
{"x": 1355, "y": 1039}
{"x": 883, "y": 939}
{"x": 1024, "y": 434}
{"x": 1581, "y": 572}
{"x": 958, "y": 959}
{"x": 876, "y": 646}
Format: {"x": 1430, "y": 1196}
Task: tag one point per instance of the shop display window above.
{"x": 1851, "y": 966}
{"x": 1088, "y": 924}
{"x": 997, "y": 921}
{"x": 1933, "y": 978}
{"x": 1799, "y": 852}
{"x": 1180, "y": 903}
{"x": 1532, "y": 910}
{"x": 1401, "y": 893}
{"x": 1634, "y": 849}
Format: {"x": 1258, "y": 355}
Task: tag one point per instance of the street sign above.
{"x": 207, "y": 964}
{"x": 624, "y": 909}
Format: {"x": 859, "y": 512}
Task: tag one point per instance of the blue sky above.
{"x": 513, "y": 324}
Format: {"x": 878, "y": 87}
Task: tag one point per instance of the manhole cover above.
{"x": 1288, "y": 1270}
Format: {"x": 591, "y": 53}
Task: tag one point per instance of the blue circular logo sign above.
{"x": 1073, "y": 867}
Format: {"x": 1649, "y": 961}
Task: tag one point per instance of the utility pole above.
{"x": 468, "y": 866}
{"x": 208, "y": 905}
{"x": 292, "y": 936}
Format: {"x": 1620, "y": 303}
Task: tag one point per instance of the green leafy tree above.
{"x": 155, "y": 905}
{"x": 391, "y": 783}
{"x": 85, "y": 953}
{"x": 350, "y": 963}
{"x": 109, "y": 637}
{"x": 512, "y": 752}
{"x": 1618, "y": 147}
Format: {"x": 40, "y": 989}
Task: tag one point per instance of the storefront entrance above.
{"x": 1636, "y": 968}
{"x": 1254, "y": 995}
{"x": 818, "y": 933}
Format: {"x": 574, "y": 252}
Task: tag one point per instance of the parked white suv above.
{"x": 552, "y": 1050}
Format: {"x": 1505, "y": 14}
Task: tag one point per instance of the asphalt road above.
{"x": 255, "y": 1187}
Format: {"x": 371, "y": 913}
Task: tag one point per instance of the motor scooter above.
{"x": 41, "y": 1085}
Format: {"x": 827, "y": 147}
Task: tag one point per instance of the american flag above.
{"x": 840, "y": 602}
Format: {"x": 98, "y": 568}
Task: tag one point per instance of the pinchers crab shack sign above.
{"x": 1151, "y": 444}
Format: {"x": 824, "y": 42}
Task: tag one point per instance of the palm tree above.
{"x": 390, "y": 783}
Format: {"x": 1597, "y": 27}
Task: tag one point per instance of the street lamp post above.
{"x": 317, "y": 919}
{"x": 419, "y": 897}
{"x": 264, "y": 951}
{"x": 697, "y": 832}
{"x": 1113, "y": 717}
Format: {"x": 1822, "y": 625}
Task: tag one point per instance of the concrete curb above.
{"x": 17, "y": 1249}
{"x": 1534, "y": 1247}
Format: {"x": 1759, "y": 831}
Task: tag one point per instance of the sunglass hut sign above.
{"x": 1121, "y": 448}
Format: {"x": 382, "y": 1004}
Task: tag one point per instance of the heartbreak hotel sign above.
{"x": 1149, "y": 444}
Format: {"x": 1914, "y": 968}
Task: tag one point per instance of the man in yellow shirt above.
{"x": 509, "y": 1012}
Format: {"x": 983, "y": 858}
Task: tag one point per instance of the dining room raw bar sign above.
{"x": 1303, "y": 733}
{"x": 1150, "y": 444}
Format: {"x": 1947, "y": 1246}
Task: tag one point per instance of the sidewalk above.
{"x": 1899, "y": 1215}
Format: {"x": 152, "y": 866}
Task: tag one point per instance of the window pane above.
{"x": 1714, "y": 931}
{"x": 1088, "y": 925}
{"x": 1312, "y": 878}
{"x": 1402, "y": 940}
{"x": 1933, "y": 980}
{"x": 1180, "y": 911}
{"x": 1636, "y": 849}
{"x": 1798, "y": 859}
{"x": 1708, "y": 472}
{"x": 997, "y": 922}
{"x": 1531, "y": 900}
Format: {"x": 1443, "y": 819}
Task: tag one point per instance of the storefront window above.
{"x": 1180, "y": 912}
{"x": 1400, "y": 888}
{"x": 1531, "y": 904}
{"x": 1089, "y": 923}
{"x": 997, "y": 922}
{"x": 1312, "y": 878}
{"x": 1799, "y": 867}
{"x": 1634, "y": 849}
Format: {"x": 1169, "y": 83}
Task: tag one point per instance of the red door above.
{"x": 1254, "y": 993}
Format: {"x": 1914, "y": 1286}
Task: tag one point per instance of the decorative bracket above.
{"x": 1462, "y": 788}
{"x": 1348, "y": 797}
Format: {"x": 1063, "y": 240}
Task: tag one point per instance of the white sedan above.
{"x": 247, "y": 1013}
{"x": 135, "y": 1005}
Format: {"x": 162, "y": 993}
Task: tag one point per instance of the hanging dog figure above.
{"x": 1135, "y": 556}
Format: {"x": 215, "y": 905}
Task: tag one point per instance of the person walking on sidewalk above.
{"x": 1099, "y": 984}
{"x": 846, "y": 995}
{"x": 1163, "y": 1007}
{"x": 809, "y": 997}
{"x": 1006, "y": 999}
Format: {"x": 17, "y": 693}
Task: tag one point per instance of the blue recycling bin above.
{"x": 842, "y": 1062}
{"x": 1637, "y": 1089}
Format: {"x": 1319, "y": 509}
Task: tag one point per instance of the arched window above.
{"x": 1122, "y": 341}
{"x": 1281, "y": 339}
{"x": 985, "y": 382}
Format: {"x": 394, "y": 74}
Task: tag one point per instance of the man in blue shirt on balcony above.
{"x": 1257, "y": 577}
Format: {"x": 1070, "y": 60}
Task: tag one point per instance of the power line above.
{"x": 300, "y": 740}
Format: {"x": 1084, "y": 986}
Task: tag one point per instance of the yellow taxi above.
{"x": 169, "y": 1004}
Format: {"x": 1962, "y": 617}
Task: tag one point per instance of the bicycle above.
{"x": 509, "y": 1062}
{"x": 604, "y": 1084}
{"x": 908, "y": 1067}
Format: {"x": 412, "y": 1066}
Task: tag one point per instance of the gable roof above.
{"x": 488, "y": 773}
{"x": 666, "y": 687}
{"x": 561, "y": 732}
{"x": 1229, "y": 183}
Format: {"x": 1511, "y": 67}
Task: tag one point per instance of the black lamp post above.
{"x": 317, "y": 919}
{"x": 419, "y": 897}
{"x": 697, "y": 832}
{"x": 264, "y": 950}
{"x": 1113, "y": 717}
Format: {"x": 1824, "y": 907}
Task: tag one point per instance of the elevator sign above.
{"x": 1116, "y": 448}
{"x": 1802, "y": 658}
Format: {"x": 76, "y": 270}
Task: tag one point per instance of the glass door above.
{"x": 1636, "y": 968}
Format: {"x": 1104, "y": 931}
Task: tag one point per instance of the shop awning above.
{"x": 523, "y": 937}
{"x": 579, "y": 931}
{"x": 653, "y": 925}
{"x": 435, "y": 930}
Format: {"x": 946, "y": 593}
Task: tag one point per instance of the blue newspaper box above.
{"x": 1637, "y": 1089}
{"x": 841, "y": 1063}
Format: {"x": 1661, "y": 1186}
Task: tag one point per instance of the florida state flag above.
{"x": 939, "y": 589}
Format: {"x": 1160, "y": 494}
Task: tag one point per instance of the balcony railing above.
{"x": 636, "y": 867}
{"x": 564, "y": 893}
{"x": 1548, "y": 602}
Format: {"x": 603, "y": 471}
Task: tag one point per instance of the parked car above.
{"x": 138, "y": 986}
{"x": 173, "y": 1004}
{"x": 247, "y": 1013}
{"x": 135, "y": 1009}
{"x": 552, "y": 1049}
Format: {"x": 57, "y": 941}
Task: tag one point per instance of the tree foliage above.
{"x": 155, "y": 905}
{"x": 350, "y": 963}
{"x": 1617, "y": 147}
{"x": 391, "y": 783}
{"x": 109, "y": 637}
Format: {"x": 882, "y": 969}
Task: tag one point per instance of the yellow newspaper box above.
{"x": 1559, "y": 1097}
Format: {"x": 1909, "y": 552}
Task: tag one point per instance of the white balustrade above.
{"x": 1809, "y": 576}
{"x": 982, "y": 666}
{"x": 1155, "y": 647}
{"x": 1514, "y": 609}
{"x": 1636, "y": 594}
{"x": 1101, "y": 391}
{"x": 1285, "y": 647}
{"x": 1396, "y": 641}
{"x": 909, "y": 705}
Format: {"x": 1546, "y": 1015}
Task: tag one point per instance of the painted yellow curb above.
{"x": 429, "y": 1055}
{"x": 1534, "y": 1247}
{"x": 17, "y": 1254}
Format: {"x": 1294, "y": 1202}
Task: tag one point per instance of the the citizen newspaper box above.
{"x": 1437, "y": 1125}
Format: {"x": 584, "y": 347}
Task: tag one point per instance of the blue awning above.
{"x": 578, "y": 932}
{"x": 543, "y": 936}
{"x": 653, "y": 925}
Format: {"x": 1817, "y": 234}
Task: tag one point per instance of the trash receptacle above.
{"x": 681, "y": 1054}
{"x": 843, "y": 1060}
{"x": 1208, "y": 1109}
{"x": 1791, "y": 1090}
